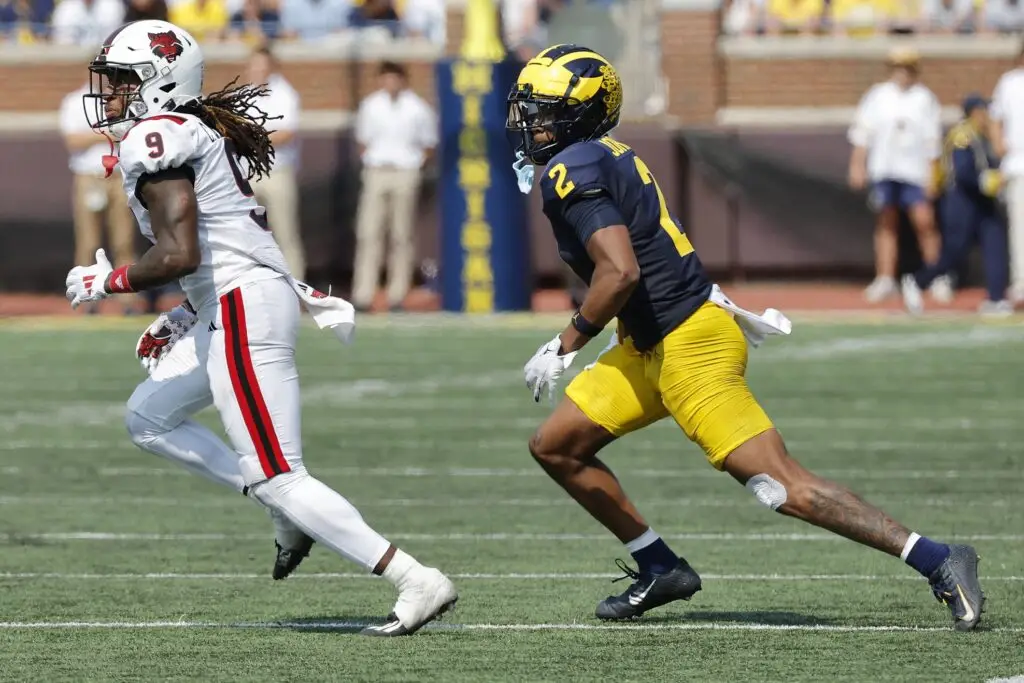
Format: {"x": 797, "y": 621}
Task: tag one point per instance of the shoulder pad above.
{"x": 577, "y": 170}
{"x": 157, "y": 144}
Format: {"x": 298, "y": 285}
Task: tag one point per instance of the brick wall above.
{"x": 325, "y": 85}
{"x": 690, "y": 60}
{"x": 841, "y": 82}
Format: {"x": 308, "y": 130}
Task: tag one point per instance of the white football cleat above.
{"x": 425, "y": 595}
{"x": 881, "y": 288}
{"x": 912, "y": 298}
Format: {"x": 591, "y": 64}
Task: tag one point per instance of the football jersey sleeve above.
{"x": 157, "y": 144}
{"x": 572, "y": 173}
{"x": 575, "y": 190}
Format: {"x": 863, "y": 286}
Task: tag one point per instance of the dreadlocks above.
{"x": 232, "y": 112}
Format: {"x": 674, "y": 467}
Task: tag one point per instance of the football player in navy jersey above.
{"x": 677, "y": 354}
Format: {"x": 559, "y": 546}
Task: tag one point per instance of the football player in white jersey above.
{"x": 232, "y": 344}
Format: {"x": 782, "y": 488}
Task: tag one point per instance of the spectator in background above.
{"x": 279, "y": 191}
{"x": 858, "y": 18}
{"x": 205, "y": 19}
{"x": 794, "y": 16}
{"x": 424, "y": 18}
{"x": 1008, "y": 139}
{"x": 742, "y": 17}
{"x": 949, "y": 16}
{"x": 313, "y": 19}
{"x": 970, "y": 210}
{"x": 525, "y": 25}
{"x": 93, "y": 195}
{"x": 1003, "y": 16}
{"x": 24, "y": 21}
{"x": 897, "y": 139}
{"x": 257, "y": 21}
{"x": 904, "y": 16}
{"x": 86, "y": 22}
{"x": 139, "y": 10}
{"x": 396, "y": 132}
{"x": 380, "y": 14}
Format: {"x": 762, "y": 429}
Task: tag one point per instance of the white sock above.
{"x": 401, "y": 565}
{"x": 323, "y": 514}
{"x": 642, "y": 541}
{"x": 189, "y": 444}
{"x": 909, "y": 546}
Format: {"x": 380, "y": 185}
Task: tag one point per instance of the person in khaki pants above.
{"x": 396, "y": 132}
{"x": 279, "y": 191}
{"x": 94, "y": 197}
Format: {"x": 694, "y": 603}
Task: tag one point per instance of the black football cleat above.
{"x": 955, "y": 584}
{"x": 649, "y": 591}
{"x": 290, "y": 558}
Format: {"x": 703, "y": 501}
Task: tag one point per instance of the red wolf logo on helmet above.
{"x": 165, "y": 44}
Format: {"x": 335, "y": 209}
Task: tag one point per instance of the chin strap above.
{"x": 109, "y": 160}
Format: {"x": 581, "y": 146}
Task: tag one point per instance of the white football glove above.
{"x": 164, "y": 333}
{"x": 86, "y": 283}
{"x": 612, "y": 343}
{"x": 543, "y": 370}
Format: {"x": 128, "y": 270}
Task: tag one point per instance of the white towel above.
{"x": 755, "y": 327}
{"x": 327, "y": 311}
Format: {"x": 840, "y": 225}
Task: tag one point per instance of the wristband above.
{"x": 584, "y": 326}
{"x": 118, "y": 283}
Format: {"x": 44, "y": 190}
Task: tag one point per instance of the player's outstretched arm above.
{"x": 616, "y": 274}
{"x": 173, "y": 212}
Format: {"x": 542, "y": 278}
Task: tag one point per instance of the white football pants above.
{"x": 1015, "y": 213}
{"x": 241, "y": 358}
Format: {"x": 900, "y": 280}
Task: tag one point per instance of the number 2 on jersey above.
{"x": 681, "y": 241}
{"x": 563, "y": 186}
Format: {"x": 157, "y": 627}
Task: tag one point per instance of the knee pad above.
{"x": 768, "y": 491}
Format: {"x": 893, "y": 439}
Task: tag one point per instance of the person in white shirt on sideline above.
{"x": 1007, "y": 114}
{"x": 85, "y": 22}
{"x": 396, "y": 132}
{"x": 95, "y": 196}
{"x": 279, "y": 191}
{"x": 897, "y": 141}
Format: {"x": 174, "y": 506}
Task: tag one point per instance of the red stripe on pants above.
{"x": 247, "y": 388}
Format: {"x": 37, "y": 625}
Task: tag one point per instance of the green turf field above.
{"x": 116, "y": 566}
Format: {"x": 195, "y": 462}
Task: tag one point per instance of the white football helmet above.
{"x": 143, "y": 68}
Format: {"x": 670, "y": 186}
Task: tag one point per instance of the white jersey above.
{"x": 235, "y": 243}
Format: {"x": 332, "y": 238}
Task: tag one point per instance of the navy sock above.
{"x": 927, "y": 555}
{"x": 657, "y": 558}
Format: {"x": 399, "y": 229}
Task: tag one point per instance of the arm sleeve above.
{"x": 592, "y": 211}
{"x": 72, "y": 116}
{"x": 997, "y": 110}
{"x": 862, "y": 130}
{"x": 933, "y": 127}
{"x": 963, "y": 168}
{"x": 363, "y": 123}
{"x": 428, "y": 133}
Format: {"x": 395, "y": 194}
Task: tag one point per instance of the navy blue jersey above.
{"x": 592, "y": 185}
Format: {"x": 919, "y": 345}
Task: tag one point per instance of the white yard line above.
{"x": 351, "y": 625}
{"x": 483, "y": 576}
{"x": 14, "y": 537}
